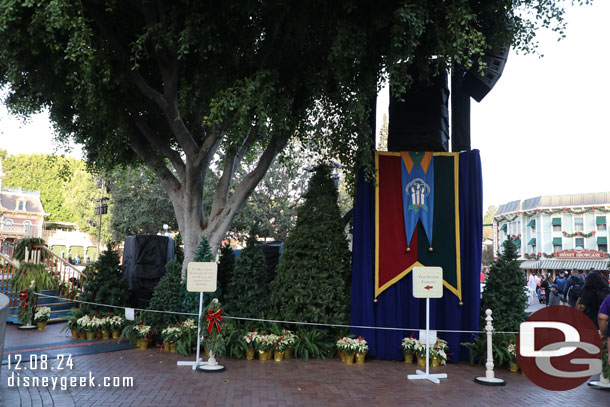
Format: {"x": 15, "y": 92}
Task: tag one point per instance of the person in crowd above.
{"x": 544, "y": 289}
{"x": 532, "y": 284}
{"x": 573, "y": 289}
{"x": 77, "y": 259}
{"x": 70, "y": 260}
{"x": 602, "y": 320}
{"x": 561, "y": 283}
{"x": 593, "y": 293}
{"x": 554, "y": 297}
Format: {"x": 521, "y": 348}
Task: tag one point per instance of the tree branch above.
{"x": 171, "y": 154}
{"x": 156, "y": 164}
{"x": 167, "y": 105}
{"x": 232, "y": 161}
{"x": 250, "y": 181}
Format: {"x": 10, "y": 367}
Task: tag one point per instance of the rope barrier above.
{"x": 385, "y": 328}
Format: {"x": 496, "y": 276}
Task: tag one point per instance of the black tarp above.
{"x": 144, "y": 260}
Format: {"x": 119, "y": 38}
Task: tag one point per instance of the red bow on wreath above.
{"x": 214, "y": 318}
{"x": 23, "y": 296}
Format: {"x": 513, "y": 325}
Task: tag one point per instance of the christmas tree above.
{"x": 105, "y": 284}
{"x": 504, "y": 291}
{"x": 313, "y": 276}
{"x": 190, "y": 300}
{"x": 226, "y": 267}
{"x": 247, "y": 295}
{"x": 165, "y": 298}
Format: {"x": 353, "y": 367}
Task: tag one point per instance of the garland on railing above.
{"x": 579, "y": 234}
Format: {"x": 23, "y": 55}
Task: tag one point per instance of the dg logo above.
{"x": 559, "y": 348}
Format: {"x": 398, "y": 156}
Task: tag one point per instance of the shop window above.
{"x": 578, "y": 225}
{"x": 556, "y": 222}
{"x": 8, "y": 222}
{"x": 557, "y": 248}
{"x": 601, "y": 227}
{"x": 20, "y": 206}
{"x": 579, "y": 243}
{"x": 27, "y": 226}
{"x": 602, "y": 248}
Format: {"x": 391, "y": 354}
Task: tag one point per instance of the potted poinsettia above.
{"x": 104, "y": 327}
{"x": 170, "y": 336}
{"x": 41, "y": 317}
{"x": 279, "y": 348}
{"x": 264, "y": 345}
{"x": 420, "y": 352}
{"x": 188, "y": 337}
{"x": 250, "y": 340}
{"x": 512, "y": 357}
{"x": 409, "y": 346}
{"x": 142, "y": 334}
{"x": 116, "y": 323}
{"x": 439, "y": 353}
{"x": 290, "y": 339}
{"x": 362, "y": 348}
{"x": 347, "y": 347}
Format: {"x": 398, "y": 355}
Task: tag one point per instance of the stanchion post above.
{"x": 489, "y": 379}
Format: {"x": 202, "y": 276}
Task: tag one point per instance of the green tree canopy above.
{"x": 172, "y": 84}
{"x": 139, "y": 203}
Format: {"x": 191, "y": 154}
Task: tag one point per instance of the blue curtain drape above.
{"x": 396, "y": 306}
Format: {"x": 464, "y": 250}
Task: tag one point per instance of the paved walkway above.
{"x": 158, "y": 381}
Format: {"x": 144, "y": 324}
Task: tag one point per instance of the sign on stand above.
{"x": 427, "y": 283}
{"x": 201, "y": 277}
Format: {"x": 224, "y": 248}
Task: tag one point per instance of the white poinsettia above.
{"x": 42, "y": 314}
{"x": 142, "y": 331}
{"x": 409, "y": 344}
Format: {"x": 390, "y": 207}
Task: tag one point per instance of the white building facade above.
{"x": 557, "y": 232}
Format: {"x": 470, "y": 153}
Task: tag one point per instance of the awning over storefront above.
{"x": 503, "y": 227}
{"x": 556, "y": 222}
{"x": 532, "y": 223}
{"x": 556, "y": 241}
{"x": 601, "y": 220}
{"x": 532, "y": 242}
{"x": 518, "y": 243}
{"x": 602, "y": 240}
{"x": 530, "y": 264}
{"x": 562, "y": 264}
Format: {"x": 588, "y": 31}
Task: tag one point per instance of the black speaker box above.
{"x": 477, "y": 85}
{"x": 420, "y": 122}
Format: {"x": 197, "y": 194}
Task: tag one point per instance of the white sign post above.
{"x": 427, "y": 283}
{"x": 200, "y": 277}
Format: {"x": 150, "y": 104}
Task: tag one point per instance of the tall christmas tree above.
{"x": 226, "y": 267}
{"x": 504, "y": 291}
{"x": 312, "y": 281}
{"x": 165, "y": 298}
{"x": 247, "y": 294}
{"x": 105, "y": 284}
{"x": 190, "y": 300}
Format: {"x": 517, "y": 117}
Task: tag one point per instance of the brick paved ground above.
{"x": 159, "y": 382}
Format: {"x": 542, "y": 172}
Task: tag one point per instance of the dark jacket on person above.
{"x": 573, "y": 289}
{"x": 593, "y": 293}
{"x": 561, "y": 284}
{"x": 554, "y": 297}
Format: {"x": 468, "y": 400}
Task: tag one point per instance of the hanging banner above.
{"x": 438, "y": 191}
